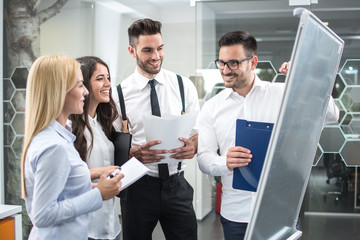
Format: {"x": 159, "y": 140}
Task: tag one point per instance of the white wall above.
{"x": 179, "y": 38}
{"x": 111, "y": 42}
{"x": 178, "y": 34}
{"x": 126, "y": 63}
{"x": 69, "y": 32}
{"x": 206, "y": 37}
{"x": 101, "y": 31}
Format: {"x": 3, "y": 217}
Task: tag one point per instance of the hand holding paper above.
{"x": 145, "y": 155}
{"x": 186, "y": 152}
{"x": 168, "y": 129}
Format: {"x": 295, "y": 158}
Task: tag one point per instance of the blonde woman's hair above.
{"x": 49, "y": 80}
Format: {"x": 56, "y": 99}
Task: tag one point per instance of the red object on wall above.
{"x": 218, "y": 197}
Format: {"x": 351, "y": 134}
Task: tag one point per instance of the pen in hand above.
{"x": 113, "y": 174}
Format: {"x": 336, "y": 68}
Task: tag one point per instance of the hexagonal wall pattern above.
{"x": 14, "y": 107}
{"x": 8, "y": 90}
{"x": 341, "y": 109}
{"x": 331, "y": 163}
{"x": 332, "y": 139}
{"x": 9, "y": 135}
{"x": 339, "y": 86}
{"x": 18, "y": 100}
{"x": 351, "y": 125}
{"x": 17, "y": 145}
{"x": 318, "y": 156}
{"x": 355, "y": 125}
{"x": 350, "y": 72}
{"x": 351, "y": 153}
{"x": 19, "y": 77}
{"x": 265, "y": 71}
{"x": 351, "y": 99}
{"x": 18, "y": 123}
{"x": 280, "y": 78}
{"x": 9, "y": 112}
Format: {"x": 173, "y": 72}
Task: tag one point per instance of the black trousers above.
{"x": 150, "y": 200}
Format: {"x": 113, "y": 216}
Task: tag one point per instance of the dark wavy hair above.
{"x": 245, "y": 39}
{"x": 143, "y": 27}
{"x": 106, "y": 112}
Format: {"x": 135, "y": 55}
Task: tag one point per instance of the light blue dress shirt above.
{"x": 58, "y": 185}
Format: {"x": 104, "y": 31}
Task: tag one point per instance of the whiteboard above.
{"x": 314, "y": 63}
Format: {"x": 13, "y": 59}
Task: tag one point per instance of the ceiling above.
{"x": 270, "y": 21}
{"x": 275, "y": 27}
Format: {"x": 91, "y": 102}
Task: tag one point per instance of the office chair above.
{"x": 336, "y": 168}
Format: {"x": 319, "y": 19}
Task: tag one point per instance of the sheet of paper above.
{"x": 168, "y": 129}
{"x": 132, "y": 170}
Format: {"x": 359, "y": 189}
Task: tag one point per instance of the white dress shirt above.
{"x": 217, "y": 124}
{"x": 58, "y": 186}
{"x": 136, "y": 92}
{"x": 103, "y": 223}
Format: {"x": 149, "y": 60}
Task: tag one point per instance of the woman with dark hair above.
{"x": 93, "y": 130}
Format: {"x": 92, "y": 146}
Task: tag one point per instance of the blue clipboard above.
{"x": 254, "y": 136}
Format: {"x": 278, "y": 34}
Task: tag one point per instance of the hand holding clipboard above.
{"x": 254, "y": 136}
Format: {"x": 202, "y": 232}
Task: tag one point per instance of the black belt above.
{"x": 163, "y": 169}
{"x": 148, "y": 177}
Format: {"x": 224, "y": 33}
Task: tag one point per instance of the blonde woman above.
{"x": 56, "y": 183}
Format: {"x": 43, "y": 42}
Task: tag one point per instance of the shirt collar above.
{"x": 258, "y": 84}
{"x": 64, "y": 132}
{"x": 143, "y": 81}
{"x": 92, "y": 121}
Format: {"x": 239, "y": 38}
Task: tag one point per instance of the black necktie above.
{"x": 155, "y": 108}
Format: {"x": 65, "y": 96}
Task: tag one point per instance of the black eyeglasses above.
{"x": 232, "y": 64}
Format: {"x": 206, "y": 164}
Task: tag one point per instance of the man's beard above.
{"x": 144, "y": 66}
{"x": 236, "y": 82}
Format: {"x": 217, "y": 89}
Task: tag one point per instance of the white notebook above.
{"x": 133, "y": 169}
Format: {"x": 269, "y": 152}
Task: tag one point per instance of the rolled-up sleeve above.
{"x": 332, "y": 112}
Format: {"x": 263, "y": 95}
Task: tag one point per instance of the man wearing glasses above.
{"x": 245, "y": 97}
